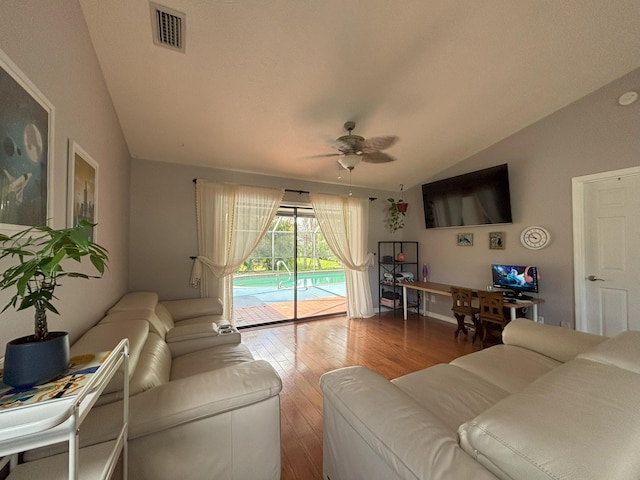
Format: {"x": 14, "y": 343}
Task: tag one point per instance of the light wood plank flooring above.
{"x": 302, "y": 352}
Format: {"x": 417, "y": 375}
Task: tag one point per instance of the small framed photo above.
{"x": 496, "y": 240}
{"x": 83, "y": 188}
{"x": 465, "y": 239}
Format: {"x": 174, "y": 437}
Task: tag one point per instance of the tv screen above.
{"x": 515, "y": 277}
{"x": 476, "y": 198}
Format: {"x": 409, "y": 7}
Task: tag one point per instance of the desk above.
{"x": 444, "y": 289}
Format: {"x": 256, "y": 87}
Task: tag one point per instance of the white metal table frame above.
{"x": 58, "y": 420}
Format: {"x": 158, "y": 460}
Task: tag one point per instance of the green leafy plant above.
{"x": 395, "y": 216}
{"x": 40, "y": 252}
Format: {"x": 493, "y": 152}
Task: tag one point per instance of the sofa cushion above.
{"x": 622, "y": 351}
{"x": 217, "y": 319}
{"x": 154, "y": 323}
{"x": 154, "y": 365}
{"x": 164, "y": 316}
{"x": 192, "y": 332}
{"x": 562, "y": 344}
{"x": 136, "y": 301}
{"x": 209, "y": 359}
{"x": 508, "y": 367}
{"x": 579, "y": 421}
{"x": 193, "y": 307}
{"x": 450, "y": 393}
{"x": 104, "y": 337}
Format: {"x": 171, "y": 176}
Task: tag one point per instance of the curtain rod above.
{"x": 304, "y": 191}
{"x": 296, "y": 191}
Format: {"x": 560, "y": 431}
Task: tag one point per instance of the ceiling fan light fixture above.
{"x": 349, "y": 161}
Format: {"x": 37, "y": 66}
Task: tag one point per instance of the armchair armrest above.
{"x": 185, "y": 339}
{"x": 178, "y": 402}
{"x": 397, "y": 437}
{"x": 193, "y": 307}
{"x": 202, "y": 395}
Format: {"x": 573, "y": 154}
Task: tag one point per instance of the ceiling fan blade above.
{"x": 326, "y": 155}
{"x": 374, "y": 144}
{"x": 377, "y": 157}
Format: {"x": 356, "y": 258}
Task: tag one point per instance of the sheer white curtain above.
{"x": 231, "y": 221}
{"x": 344, "y": 222}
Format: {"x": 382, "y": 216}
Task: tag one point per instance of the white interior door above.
{"x": 607, "y": 273}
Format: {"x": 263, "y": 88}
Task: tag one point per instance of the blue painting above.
{"x": 24, "y": 152}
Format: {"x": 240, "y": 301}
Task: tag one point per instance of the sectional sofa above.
{"x": 548, "y": 403}
{"x": 201, "y": 407}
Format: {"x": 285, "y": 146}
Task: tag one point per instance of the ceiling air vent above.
{"x": 168, "y": 27}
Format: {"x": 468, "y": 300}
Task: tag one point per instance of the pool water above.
{"x": 262, "y": 289}
{"x": 284, "y": 280}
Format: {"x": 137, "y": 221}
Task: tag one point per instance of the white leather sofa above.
{"x": 550, "y": 403}
{"x": 200, "y": 406}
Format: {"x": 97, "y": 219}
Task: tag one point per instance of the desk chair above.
{"x": 491, "y": 312}
{"x": 461, "y": 308}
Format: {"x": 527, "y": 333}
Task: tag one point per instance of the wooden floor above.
{"x": 302, "y": 352}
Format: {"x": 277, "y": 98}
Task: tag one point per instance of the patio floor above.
{"x": 273, "y": 312}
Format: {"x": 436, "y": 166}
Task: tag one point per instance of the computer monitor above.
{"x": 515, "y": 278}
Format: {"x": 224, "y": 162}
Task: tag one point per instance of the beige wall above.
{"x": 163, "y": 207}
{"x": 50, "y": 43}
{"x": 592, "y": 135}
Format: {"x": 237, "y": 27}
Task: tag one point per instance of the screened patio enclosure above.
{"x": 292, "y": 275}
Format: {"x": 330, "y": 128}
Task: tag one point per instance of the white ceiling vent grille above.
{"x": 168, "y": 27}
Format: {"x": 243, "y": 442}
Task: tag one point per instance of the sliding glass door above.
{"x": 292, "y": 275}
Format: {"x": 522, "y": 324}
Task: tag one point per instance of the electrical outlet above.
{"x": 565, "y": 324}
{"x": 540, "y": 319}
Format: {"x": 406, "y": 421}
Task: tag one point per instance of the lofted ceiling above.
{"x": 264, "y": 86}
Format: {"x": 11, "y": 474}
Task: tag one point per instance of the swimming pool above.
{"x": 284, "y": 280}
{"x": 252, "y": 290}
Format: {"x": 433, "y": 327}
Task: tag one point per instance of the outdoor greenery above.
{"x": 275, "y": 251}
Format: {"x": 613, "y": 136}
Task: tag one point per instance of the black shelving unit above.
{"x": 397, "y": 263}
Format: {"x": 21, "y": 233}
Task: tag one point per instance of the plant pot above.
{"x": 28, "y": 363}
{"x": 402, "y": 207}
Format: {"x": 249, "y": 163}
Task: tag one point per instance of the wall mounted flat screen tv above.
{"x": 477, "y": 198}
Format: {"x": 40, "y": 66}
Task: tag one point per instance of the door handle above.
{"x": 593, "y": 278}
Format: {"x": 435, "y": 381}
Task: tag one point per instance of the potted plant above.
{"x": 395, "y": 214}
{"x": 40, "y": 253}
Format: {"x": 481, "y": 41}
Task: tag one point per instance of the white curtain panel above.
{"x": 344, "y": 222}
{"x": 231, "y": 221}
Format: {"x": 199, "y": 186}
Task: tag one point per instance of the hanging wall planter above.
{"x": 395, "y": 217}
{"x": 402, "y": 206}
{"x": 396, "y": 212}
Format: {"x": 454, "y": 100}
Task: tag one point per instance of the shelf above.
{"x": 92, "y": 465}
{"x": 390, "y": 267}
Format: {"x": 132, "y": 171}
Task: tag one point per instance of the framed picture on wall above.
{"x": 496, "y": 240}
{"x": 465, "y": 239}
{"x": 26, "y": 146}
{"x": 83, "y": 188}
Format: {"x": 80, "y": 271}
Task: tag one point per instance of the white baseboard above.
{"x": 439, "y": 316}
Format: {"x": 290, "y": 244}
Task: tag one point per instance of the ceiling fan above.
{"x": 353, "y": 148}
